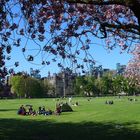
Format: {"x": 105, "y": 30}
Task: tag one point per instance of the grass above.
{"x": 90, "y": 120}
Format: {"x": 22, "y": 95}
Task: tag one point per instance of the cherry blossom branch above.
{"x": 98, "y": 2}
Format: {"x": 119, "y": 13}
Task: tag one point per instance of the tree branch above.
{"x": 127, "y": 27}
{"x": 98, "y": 2}
{"x": 132, "y": 4}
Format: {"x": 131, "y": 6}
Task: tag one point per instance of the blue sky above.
{"x": 106, "y": 58}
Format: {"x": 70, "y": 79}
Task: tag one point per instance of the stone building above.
{"x": 120, "y": 69}
{"x": 98, "y": 71}
{"x": 63, "y": 83}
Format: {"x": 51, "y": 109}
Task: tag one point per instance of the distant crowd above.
{"x": 29, "y": 110}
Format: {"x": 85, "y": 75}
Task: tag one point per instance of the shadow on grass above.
{"x": 8, "y": 109}
{"x": 14, "y": 129}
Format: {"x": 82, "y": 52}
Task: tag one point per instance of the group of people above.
{"x": 132, "y": 99}
{"x": 28, "y": 110}
{"x": 43, "y": 111}
{"x": 110, "y": 102}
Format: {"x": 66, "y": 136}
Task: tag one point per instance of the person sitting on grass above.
{"x": 30, "y": 110}
{"x": 58, "y": 109}
{"x": 21, "y": 110}
{"x": 76, "y": 104}
{"x": 34, "y": 113}
{"x": 44, "y": 111}
{"x": 109, "y": 102}
{"x": 40, "y": 110}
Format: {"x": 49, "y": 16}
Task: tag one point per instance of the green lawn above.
{"x": 91, "y": 120}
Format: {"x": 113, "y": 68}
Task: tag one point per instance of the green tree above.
{"x": 33, "y": 87}
{"x": 99, "y": 86}
{"x": 18, "y": 86}
{"x": 90, "y": 85}
{"x": 26, "y": 86}
{"x": 106, "y": 84}
{"x": 84, "y": 85}
{"x": 132, "y": 86}
{"x": 78, "y": 84}
{"x": 120, "y": 84}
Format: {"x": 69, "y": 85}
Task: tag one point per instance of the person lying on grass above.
{"x": 43, "y": 111}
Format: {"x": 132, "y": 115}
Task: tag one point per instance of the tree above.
{"x": 88, "y": 86}
{"x": 131, "y": 87}
{"x": 99, "y": 83}
{"x": 26, "y": 87}
{"x": 18, "y": 86}
{"x": 79, "y": 81}
{"x": 33, "y": 88}
{"x": 84, "y": 85}
{"x": 130, "y": 4}
{"x": 133, "y": 67}
{"x": 65, "y": 28}
{"x": 1, "y": 89}
{"x": 106, "y": 84}
{"x": 121, "y": 84}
